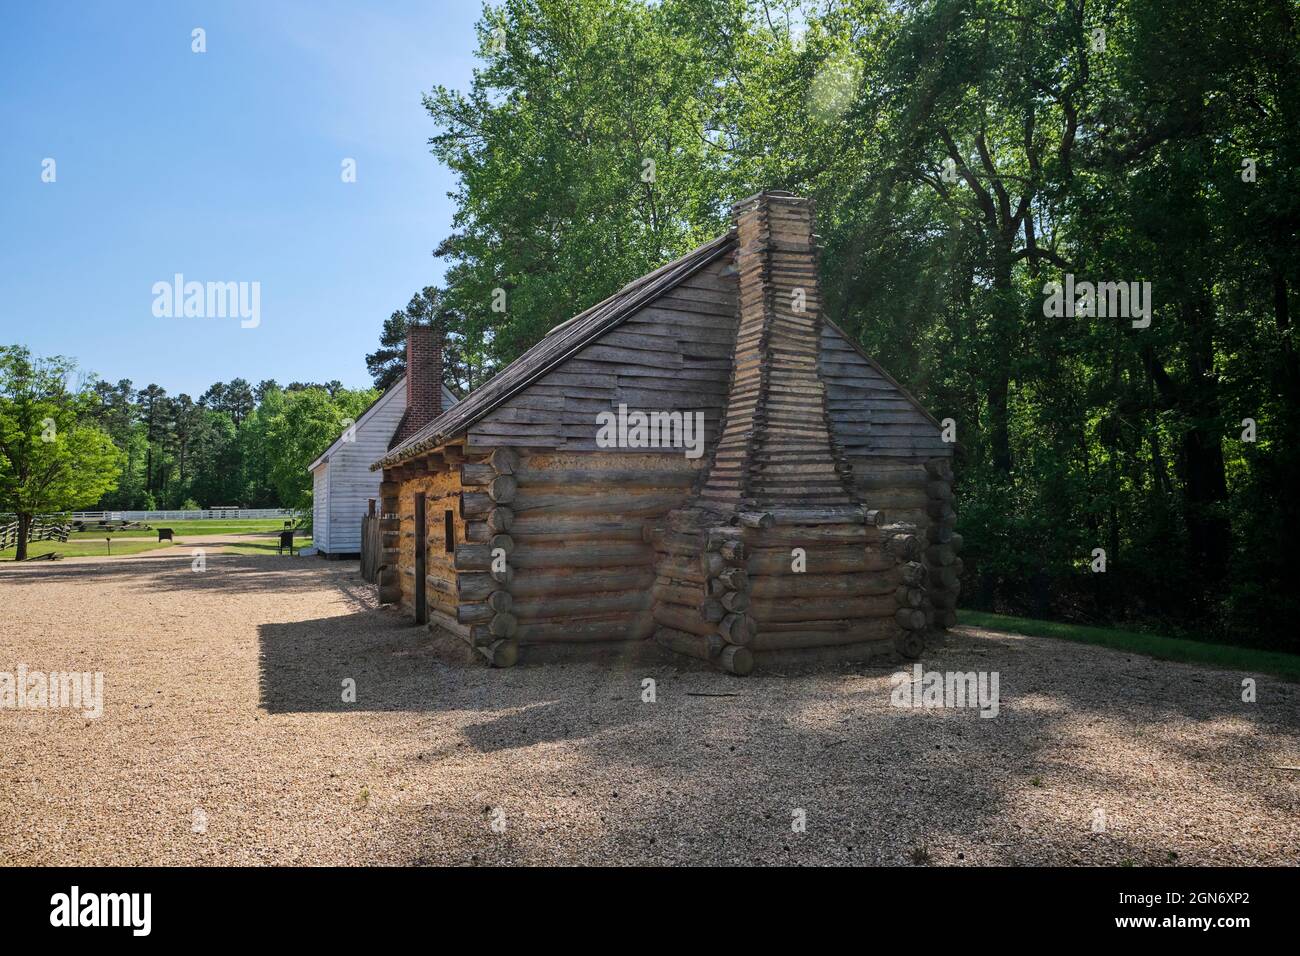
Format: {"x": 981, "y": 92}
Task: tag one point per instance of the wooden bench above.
{"x": 165, "y": 534}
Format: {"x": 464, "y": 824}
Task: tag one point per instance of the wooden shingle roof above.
{"x": 558, "y": 345}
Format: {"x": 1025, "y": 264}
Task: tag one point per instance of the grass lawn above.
{"x": 85, "y": 549}
{"x": 1227, "y": 656}
{"x": 266, "y": 546}
{"x": 198, "y": 526}
{"x": 95, "y": 546}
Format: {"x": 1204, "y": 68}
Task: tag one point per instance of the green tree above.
{"x": 587, "y": 154}
{"x": 53, "y": 456}
{"x": 217, "y": 461}
{"x": 963, "y": 154}
{"x": 387, "y": 364}
{"x": 154, "y": 414}
{"x": 236, "y": 398}
{"x": 300, "y": 426}
{"x": 466, "y": 360}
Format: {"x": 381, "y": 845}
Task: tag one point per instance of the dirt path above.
{"x": 191, "y": 538}
{"x": 181, "y": 547}
{"x": 225, "y": 739}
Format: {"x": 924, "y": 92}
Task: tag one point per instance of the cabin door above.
{"x": 421, "y": 556}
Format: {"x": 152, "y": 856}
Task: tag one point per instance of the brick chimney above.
{"x": 423, "y": 381}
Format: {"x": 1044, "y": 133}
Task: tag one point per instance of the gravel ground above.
{"x": 223, "y": 715}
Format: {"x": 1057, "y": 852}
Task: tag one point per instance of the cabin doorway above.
{"x": 421, "y": 555}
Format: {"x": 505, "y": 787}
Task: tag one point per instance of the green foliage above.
{"x": 298, "y": 427}
{"x": 963, "y": 154}
{"x": 237, "y": 445}
{"x": 557, "y": 206}
{"x": 466, "y": 359}
{"x": 387, "y": 364}
{"x": 53, "y": 457}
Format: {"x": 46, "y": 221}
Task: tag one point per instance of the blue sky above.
{"x": 224, "y": 166}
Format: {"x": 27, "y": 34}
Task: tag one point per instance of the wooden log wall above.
{"x": 390, "y": 590}
{"x": 481, "y": 606}
{"x": 919, "y": 492}
{"x": 581, "y": 571}
{"x": 726, "y": 592}
{"x": 943, "y": 543}
{"x": 465, "y": 595}
{"x": 439, "y": 482}
{"x": 702, "y": 601}
{"x": 855, "y": 580}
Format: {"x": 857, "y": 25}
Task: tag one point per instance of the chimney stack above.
{"x": 423, "y": 380}
{"x": 777, "y": 425}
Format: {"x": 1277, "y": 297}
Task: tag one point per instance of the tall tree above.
{"x": 53, "y": 457}
{"x": 187, "y": 418}
{"x": 387, "y": 364}
{"x": 154, "y": 414}
{"x": 238, "y": 400}
{"x": 964, "y": 154}
{"x": 465, "y": 359}
{"x": 612, "y": 103}
{"x": 298, "y": 429}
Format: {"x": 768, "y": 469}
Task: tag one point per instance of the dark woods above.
{"x": 973, "y": 163}
{"x": 236, "y": 445}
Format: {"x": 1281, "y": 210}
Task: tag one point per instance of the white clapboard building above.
{"x": 342, "y": 483}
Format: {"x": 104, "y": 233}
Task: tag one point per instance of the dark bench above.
{"x": 165, "y": 534}
{"x": 286, "y": 541}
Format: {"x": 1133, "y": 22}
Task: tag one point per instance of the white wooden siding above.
{"x": 320, "y": 526}
{"x": 348, "y": 483}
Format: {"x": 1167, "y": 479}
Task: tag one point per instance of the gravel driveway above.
{"x": 225, "y": 739}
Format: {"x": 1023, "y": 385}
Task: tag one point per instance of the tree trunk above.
{"x": 1005, "y": 322}
{"x": 1200, "y": 451}
{"x": 1207, "y": 482}
{"x": 1207, "y": 494}
{"x": 1288, "y": 386}
{"x": 24, "y": 529}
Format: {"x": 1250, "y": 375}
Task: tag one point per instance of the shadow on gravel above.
{"x": 551, "y": 721}
{"x": 712, "y": 772}
{"x": 175, "y": 573}
{"x": 304, "y": 665}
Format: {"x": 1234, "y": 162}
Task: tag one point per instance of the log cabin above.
{"x": 343, "y": 483}
{"x": 702, "y": 460}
